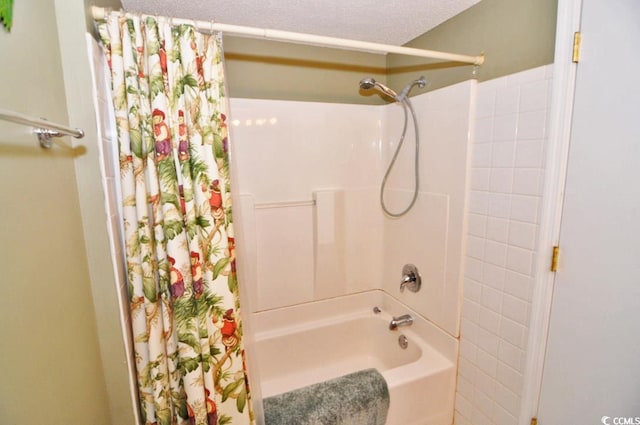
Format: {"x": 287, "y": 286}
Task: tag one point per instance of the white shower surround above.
{"x": 309, "y": 225}
{"x": 336, "y": 154}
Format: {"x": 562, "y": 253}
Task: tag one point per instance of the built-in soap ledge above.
{"x": 284, "y": 204}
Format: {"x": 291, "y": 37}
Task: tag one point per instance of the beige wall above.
{"x": 74, "y": 20}
{"x": 514, "y": 35}
{"x": 49, "y": 355}
{"x": 261, "y": 69}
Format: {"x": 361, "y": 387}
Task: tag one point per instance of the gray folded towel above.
{"x": 360, "y": 398}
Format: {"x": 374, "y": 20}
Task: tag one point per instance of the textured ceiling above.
{"x": 391, "y": 22}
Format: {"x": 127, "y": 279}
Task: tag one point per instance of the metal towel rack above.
{"x": 43, "y": 129}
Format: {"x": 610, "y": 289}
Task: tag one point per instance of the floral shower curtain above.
{"x": 170, "y": 109}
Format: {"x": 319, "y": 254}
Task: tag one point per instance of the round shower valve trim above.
{"x": 410, "y": 278}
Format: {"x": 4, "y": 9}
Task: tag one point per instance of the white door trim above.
{"x": 564, "y": 75}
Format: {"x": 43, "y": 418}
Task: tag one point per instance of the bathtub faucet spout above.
{"x": 404, "y": 320}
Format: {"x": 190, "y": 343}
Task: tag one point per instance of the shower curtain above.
{"x": 170, "y": 108}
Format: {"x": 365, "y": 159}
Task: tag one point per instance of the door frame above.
{"x": 558, "y": 140}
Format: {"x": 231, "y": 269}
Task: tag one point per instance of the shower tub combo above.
{"x": 307, "y": 332}
{"x": 314, "y": 342}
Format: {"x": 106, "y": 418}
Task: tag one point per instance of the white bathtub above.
{"x": 310, "y": 343}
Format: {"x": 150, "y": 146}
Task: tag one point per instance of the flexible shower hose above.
{"x": 406, "y": 104}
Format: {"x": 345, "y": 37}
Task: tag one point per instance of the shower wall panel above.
{"x": 431, "y": 235}
{"x": 285, "y": 150}
{"x": 308, "y": 177}
{"x": 306, "y": 174}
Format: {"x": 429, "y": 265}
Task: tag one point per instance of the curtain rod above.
{"x": 43, "y": 129}
{"x": 99, "y": 13}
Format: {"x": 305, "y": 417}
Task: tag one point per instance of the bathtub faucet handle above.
{"x": 410, "y": 278}
{"x": 406, "y": 279}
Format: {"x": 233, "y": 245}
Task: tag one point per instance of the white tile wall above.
{"x": 505, "y": 194}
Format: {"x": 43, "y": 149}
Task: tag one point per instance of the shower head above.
{"x": 369, "y": 83}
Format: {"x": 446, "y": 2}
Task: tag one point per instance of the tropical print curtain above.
{"x": 170, "y": 109}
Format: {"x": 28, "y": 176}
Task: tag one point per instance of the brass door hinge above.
{"x": 555, "y": 254}
{"x": 534, "y": 421}
{"x": 576, "y": 47}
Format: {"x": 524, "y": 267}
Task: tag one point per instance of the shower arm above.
{"x": 420, "y": 82}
